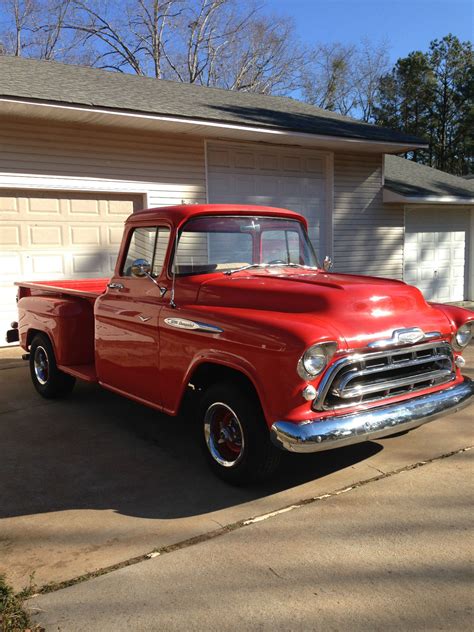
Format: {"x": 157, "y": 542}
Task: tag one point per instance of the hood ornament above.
{"x": 327, "y": 263}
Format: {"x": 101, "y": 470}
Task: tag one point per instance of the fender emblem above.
{"x": 192, "y": 325}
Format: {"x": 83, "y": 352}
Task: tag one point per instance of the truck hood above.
{"x": 358, "y": 309}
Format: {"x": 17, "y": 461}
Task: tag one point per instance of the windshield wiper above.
{"x": 270, "y": 265}
{"x": 296, "y": 265}
{"x": 245, "y": 267}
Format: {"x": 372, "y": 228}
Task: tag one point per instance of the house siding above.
{"x": 169, "y": 169}
{"x": 368, "y": 235}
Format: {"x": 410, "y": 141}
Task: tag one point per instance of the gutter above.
{"x": 278, "y": 132}
{"x": 390, "y": 196}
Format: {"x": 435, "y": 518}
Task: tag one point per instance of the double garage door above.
{"x": 49, "y": 235}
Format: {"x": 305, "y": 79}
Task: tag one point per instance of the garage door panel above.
{"x": 49, "y": 235}
{"x": 292, "y": 163}
{"x": 267, "y": 185}
{"x": 85, "y": 235}
{"x": 244, "y": 160}
{"x": 435, "y": 252}
{"x": 122, "y": 208}
{"x": 40, "y": 205}
{"x": 268, "y": 162}
{"x": 90, "y": 264}
{"x": 218, "y": 157}
{"x": 10, "y": 235}
{"x": 10, "y": 264}
{"x": 314, "y": 166}
{"x": 9, "y": 205}
{"x": 48, "y": 264}
{"x": 114, "y": 235}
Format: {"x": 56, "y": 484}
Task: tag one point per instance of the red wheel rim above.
{"x": 224, "y": 434}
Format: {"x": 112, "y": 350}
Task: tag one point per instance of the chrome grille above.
{"x": 369, "y": 377}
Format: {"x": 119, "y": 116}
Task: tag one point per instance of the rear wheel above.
{"x": 236, "y": 440}
{"x": 48, "y": 380}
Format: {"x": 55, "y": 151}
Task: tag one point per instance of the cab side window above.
{"x": 149, "y": 243}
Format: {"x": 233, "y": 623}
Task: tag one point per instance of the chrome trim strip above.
{"x": 432, "y": 335}
{"x": 381, "y": 385}
{"x": 192, "y": 325}
{"x": 316, "y": 435}
{"x": 328, "y": 377}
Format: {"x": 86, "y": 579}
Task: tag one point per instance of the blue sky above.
{"x": 407, "y": 25}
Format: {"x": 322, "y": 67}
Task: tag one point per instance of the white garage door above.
{"x": 436, "y": 250}
{"x": 288, "y": 178}
{"x": 52, "y": 235}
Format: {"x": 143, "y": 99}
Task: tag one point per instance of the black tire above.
{"x": 248, "y": 456}
{"x": 48, "y": 380}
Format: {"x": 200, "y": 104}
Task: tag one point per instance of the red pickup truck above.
{"x": 231, "y": 301}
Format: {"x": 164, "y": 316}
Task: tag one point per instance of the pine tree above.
{"x": 405, "y": 99}
{"x": 430, "y": 95}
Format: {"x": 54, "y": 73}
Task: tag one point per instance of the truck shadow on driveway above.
{"x": 96, "y": 450}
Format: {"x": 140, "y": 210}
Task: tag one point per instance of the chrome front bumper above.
{"x": 317, "y": 435}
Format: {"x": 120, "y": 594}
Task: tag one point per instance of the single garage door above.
{"x": 288, "y": 178}
{"x": 55, "y": 235}
{"x": 436, "y": 251}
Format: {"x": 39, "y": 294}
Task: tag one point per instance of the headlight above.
{"x": 315, "y": 359}
{"x": 462, "y": 336}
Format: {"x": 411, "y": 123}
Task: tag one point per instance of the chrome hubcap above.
{"x": 41, "y": 365}
{"x": 224, "y": 434}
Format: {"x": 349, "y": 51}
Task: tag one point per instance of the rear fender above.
{"x": 69, "y": 324}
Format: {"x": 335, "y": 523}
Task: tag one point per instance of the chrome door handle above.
{"x": 115, "y": 286}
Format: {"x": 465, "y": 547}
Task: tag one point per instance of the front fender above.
{"x": 266, "y": 351}
{"x": 456, "y": 316}
{"x": 230, "y": 361}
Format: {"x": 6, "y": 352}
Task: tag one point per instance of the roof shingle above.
{"x": 412, "y": 179}
{"x": 47, "y": 81}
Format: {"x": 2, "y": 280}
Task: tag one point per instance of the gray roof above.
{"x": 47, "y": 81}
{"x": 411, "y": 179}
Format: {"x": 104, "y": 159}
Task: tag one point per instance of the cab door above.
{"x": 127, "y": 320}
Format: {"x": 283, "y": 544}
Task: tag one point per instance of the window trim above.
{"x": 169, "y": 268}
{"x": 157, "y": 227}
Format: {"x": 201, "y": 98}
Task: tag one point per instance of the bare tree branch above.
{"x": 344, "y": 78}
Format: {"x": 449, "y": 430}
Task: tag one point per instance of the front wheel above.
{"x": 47, "y": 379}
{"x": 236, "y": 440}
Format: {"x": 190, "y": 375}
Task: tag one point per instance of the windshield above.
{"x": 227, "y": 243}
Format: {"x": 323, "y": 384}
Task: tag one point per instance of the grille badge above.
{"x": 400, "y": 337}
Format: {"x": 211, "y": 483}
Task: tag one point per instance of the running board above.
{"x": 82, "y": 371}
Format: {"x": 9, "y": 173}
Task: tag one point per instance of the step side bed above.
{"x": 64, "y": 311}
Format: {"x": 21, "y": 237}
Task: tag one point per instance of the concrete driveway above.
{"x": 96, "y": 482}
{"x": 389, "y": 556}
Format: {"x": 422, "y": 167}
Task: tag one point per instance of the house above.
{"x": 81, "y": 148}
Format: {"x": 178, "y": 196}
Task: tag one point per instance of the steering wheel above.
{"x": 276, "y": 261}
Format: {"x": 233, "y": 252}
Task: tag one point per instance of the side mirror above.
{"x": 140, "y": 268}
{"x": 327, "y": 263}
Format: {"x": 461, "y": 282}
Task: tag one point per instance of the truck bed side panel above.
{"x": 68, "y": 321}
{"x": 85, "y": 288}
